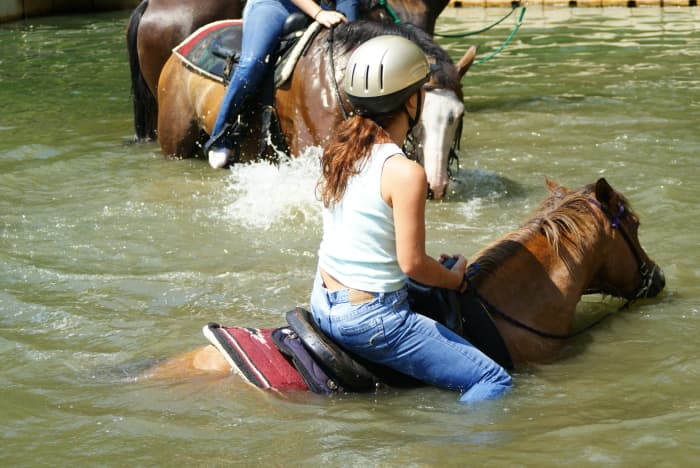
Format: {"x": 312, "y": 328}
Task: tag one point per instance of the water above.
{"x": 112, "y": 259}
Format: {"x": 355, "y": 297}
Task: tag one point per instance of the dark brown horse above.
{"x": 310, "y": 105}
{"x": 157, "y": 26}
{"x": 577, "y": 242}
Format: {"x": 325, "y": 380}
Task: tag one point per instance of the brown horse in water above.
{"x": 311, "y": 104}
{"x": 157, "y": 26}
{"x": 577, "y": 242}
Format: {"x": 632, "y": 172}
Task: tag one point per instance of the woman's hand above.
{"x": 459, "y": 268}
{"x": 330, "y": 18}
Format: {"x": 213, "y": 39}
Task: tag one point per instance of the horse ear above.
{"x": 555, "y": 188}
{"x": 603, "y": 191}
{"x": 466, "y": 61}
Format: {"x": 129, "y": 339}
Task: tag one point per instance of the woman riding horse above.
{"x": 374, "y": 233}
{"x": 262, "y": 25}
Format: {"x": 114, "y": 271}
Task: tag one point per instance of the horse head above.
{"x": 626, "y": 269}
{"x": 577, "y": 242}
{"x": 440, "y": 128}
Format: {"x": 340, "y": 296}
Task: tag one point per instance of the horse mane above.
{"x": 564, "y": 218}
{"x": 349, "y": 36}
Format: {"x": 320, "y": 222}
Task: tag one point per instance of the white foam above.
{"x": 264, "y": 193}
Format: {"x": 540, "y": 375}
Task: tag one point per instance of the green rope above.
{"x": 389, "y": 10}
{"x": 474, "y": 33}
{"x": 518, "y": 23}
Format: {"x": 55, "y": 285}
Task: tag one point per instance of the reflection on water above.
{"x": 113, "y": 258}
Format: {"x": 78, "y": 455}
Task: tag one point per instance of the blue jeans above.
{"x": 386, "y": 331}
{"x": 262, "y": 25}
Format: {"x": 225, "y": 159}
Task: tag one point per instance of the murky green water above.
{"x": 112, "y": 259}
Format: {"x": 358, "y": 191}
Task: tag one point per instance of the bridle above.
{"x": 645, "y": 272}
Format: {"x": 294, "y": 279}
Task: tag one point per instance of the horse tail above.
{"x": 145, "y": 105}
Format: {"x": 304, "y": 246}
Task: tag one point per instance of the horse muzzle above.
{"x": 653, "y": 283}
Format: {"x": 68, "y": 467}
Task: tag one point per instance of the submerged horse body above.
{"x": 310, "y": 105}
{"x": 531, "y": 279}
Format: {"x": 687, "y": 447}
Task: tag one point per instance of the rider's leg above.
{"x": 348, "y": 8}
{"x": 263, "y": 22}
{"x": 387, "y": 332}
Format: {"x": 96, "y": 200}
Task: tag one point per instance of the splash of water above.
{"x": 264, "y": 193}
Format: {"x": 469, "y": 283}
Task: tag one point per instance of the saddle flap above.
{"x": 289, "y": 344}
{"x": 351, "y": 374}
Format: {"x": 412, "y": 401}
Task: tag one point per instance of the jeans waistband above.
{"x": 353, "y": 296}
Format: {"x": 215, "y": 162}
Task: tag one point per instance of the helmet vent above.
{"x": 352, "y": 75}
{"x": 367, "y": 78}
{"x": 381, "y": 76}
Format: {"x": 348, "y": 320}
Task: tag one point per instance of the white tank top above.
{"x": 359, "y": 243}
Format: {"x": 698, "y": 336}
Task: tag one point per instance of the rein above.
{"x": 335, "y": 81}
{"x": 492, "y": 309}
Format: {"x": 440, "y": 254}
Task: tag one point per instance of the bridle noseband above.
{"x": 645, "y": 272}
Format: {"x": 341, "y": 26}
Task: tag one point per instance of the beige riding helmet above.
{"x": 383, "y": 73}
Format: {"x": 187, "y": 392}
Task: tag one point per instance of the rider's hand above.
{"x": 330, "y": 18}
{"x": 459, "y": 268}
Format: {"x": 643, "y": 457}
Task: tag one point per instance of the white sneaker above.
{"x": 218, "y": 157}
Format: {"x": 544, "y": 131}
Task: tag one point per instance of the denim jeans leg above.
{"x": 348, "y": 8}
{"x": 387, "y": 332}
{"x": 436, "y": 355}
{"x": 263, "y": 22}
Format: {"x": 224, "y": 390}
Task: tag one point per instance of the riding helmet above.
{"x": 383, "y": 73}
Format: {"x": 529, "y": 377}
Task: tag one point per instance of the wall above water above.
{"x": 11, "y": 10}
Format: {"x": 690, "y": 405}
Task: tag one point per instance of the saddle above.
{"x": 214, "y": 50}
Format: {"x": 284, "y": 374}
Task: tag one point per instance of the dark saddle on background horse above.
{"x": 214, "y": 50}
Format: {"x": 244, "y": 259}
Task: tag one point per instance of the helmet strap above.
{"x": 413, "y": 121}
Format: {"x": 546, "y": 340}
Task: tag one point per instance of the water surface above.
{"x": 112, "y": 259}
